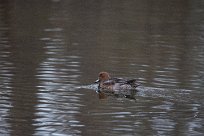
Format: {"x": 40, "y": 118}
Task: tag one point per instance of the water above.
{"x": 51, "y": 53}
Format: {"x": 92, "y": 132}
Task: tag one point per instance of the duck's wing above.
{"x": 122, "y": 81}
{"x": 114, "y": 80}
{"x": 119, "y": 80}
{"x": 109, "y": 82}
{"x": 132, "y": 82}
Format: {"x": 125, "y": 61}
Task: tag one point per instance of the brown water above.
{"x": 52, "y": 51}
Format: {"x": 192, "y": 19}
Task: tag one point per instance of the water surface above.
{"x": 52, "y": 51}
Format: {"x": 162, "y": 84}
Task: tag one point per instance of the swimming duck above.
{"x": 112, "y": 84}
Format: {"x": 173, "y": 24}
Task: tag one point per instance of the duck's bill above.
{"x": 97, "y": 81}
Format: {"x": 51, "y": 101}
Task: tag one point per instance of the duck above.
{"x": 106, "y": 82}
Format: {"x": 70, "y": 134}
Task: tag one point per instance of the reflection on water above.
{"x": 6, "y": 75}
{"x": 52, "y": 51}
{"x": 58, "y": 102}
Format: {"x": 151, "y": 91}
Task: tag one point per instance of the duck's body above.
{"x": 113, "y": 84}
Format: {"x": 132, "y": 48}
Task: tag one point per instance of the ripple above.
{"x": 163, "y": 126}
{"x": 57, "y": 29}
{"x": 6, "y": 76}
{"x": 92, "y": 86}
{"x": 114, "y": 113}
{"x": 58, "y": 103}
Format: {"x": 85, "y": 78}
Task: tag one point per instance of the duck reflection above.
{"x": 130, "y": 94}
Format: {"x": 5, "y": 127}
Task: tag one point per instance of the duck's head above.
{"x": 103, "y": 76}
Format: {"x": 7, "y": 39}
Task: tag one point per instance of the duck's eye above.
{"x": 101, "y": 75}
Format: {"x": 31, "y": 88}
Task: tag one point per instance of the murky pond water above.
{"x": 51, "y": 50}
